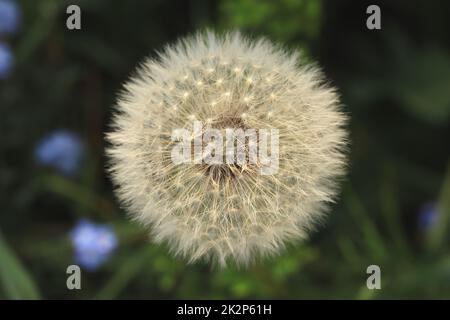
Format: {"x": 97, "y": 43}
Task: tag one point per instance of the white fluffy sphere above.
{"x": 225, "y": 212}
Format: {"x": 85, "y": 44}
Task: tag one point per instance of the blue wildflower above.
{"x": 428, "y": 216}
{"x": 10, "y": 17}
{"x": 93, "y": 243}
{"x": 6, "y": 60}
{"x": 62, "y": 150}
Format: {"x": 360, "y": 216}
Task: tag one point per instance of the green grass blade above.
{"x": 16, "y": 281}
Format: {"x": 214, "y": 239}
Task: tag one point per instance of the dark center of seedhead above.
{"x": 225, "y": 172}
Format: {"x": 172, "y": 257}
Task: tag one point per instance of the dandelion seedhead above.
{"x": 227, "y": 212}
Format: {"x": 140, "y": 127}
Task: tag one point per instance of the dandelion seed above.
{"x": 229, "y": 212}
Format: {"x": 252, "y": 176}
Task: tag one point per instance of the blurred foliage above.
{"x": 291, "y": 22}
{"x": 416, "y": 78}
{"x": 286, "y": 20}
{"x": 394, "y": 84}
{"x": 16, "y": 282}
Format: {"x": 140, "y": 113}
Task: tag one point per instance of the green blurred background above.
{"x": 394, "y": 207}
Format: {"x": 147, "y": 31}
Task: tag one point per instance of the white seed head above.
{"x": 225, "y": 212}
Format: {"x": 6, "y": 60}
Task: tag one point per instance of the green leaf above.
{"x": 16, "y": 281}
{"x": 372, "y": 238}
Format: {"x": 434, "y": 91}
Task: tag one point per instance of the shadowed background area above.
{"x": 56, "y": 91}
